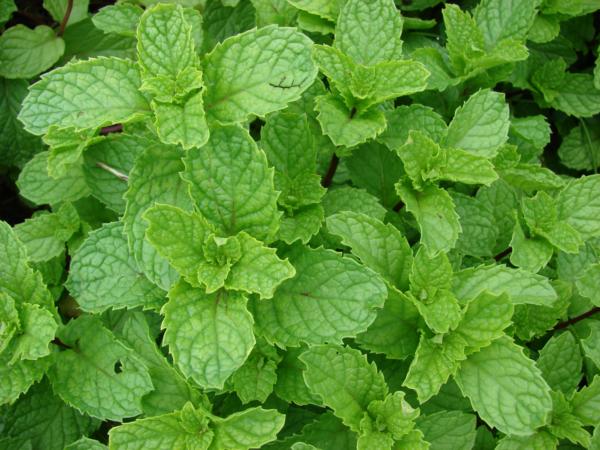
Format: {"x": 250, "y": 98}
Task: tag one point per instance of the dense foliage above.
{"x": 300, "y": 224}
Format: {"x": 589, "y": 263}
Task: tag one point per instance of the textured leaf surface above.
{"x": 98, "y": 375}
{"x": 481, "y": 124}
{"x": 105, "y": 275}
{"x": 183, "y": 124}
{"x": 344, "y": 379}
{"x": 369, "y": 32}
{"x": 25, "y": 53}
{"x": 120, "y": 19}
{"x": 251, "y": 428}
{"x": 331, "y": 297}
{"x": 209, "y": 336}
{"x": 257, "y": 72}
{"x": 505, "y": 388}
{"x": 232, "y": 185}
{"x": 380, "y": 246}
{"x": 82, "y": 95}
{"x": 560, "y": 362}
{"x": 579, "y": 205}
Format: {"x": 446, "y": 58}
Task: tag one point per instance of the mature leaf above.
{"x": 345, "y": 381}
{"x": 25, "y": 53}
{"x": 499, "y": 21}
{"x": 209, "y": 335}
{"x": 105, "y": 275}
{"x": 522, "y": 287}
{"x": 36, "y": 185}
{"x": 586, "y": 403}
{"x": 320, "y": 304}
{"x": 250, "y": 428}
{"x": 369, "y": 32}
{"x": 186, "y": 429}
{"x": 114, "y": 376}
{"x": 257, "y": 72}
{"x": 560, "y": 362}
{"x": 44, "y": 420}
{"x": 505, "y": 388}
{"x": 433, "y": 209}
{"x": 581, "y": 137}
{"x": 121, "y": 19}
{"x": 51, "y": 101}
{"x": 37, "y": 328}
{"x": 480, "y": 125}
{"x": 579, "y": 205}
{"x": 17, "y": 378}
{"x": 417, "y": 117}
{"x": 448, "y": 430}
{"x": 231, "y": 184}
{"x": 379, "y": 246}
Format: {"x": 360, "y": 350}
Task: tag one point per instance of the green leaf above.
{"x": 480, "y": 125}
{"x": 232, "y": 185}
{"x": 541, "y": 440}
{"x": 121, "y": 19}
{"x": 586, "y": 403}
{"x": 16, "y": 145}
{"x": 155, "y": 178}
{"x": 86, "y": 444}
{"x": 259, "y": 270}
{"x": 36, "y": 185}
{"x": 19, "y": 377}
{"x": 499, "y": 21}
{"x": 522, "y": 287}
{"x": 272, "y": 68}
{"x": 580, "y": 148}
{"x": 451, "y": 430}
{"x": 479, "y": 232}
{"x": 393, "y": 414}
{"x": 45, "y": 235}
{"x": 416, "y": 117}
{"x": 254, "y": 381}
{"x": 560, "y": 362}
{"x": 278, "y": 12}
{"x": 290, "y": 381}
{"x": 25, "y": 53}
{"x": 431, "y": 367}
{"x": 344, "y": 379}
{"x": 116, "y": 378}
{"x": 506, "y": 388}
{"x": 179, "y": 237}
{"x": 44, "y": 420}
{"x": 323, "y": 8}
{"x": 485, "y": 319}
{"x": 587, "y": 284}
{"x": 58, "y": 8}
{"x": 9, "y": 320}
{"x": 164, "y": 41}
{"x": 346, "y": 198}
{"x": 394, "y": 331}
{"x": 98, "y": 103}
{"x": 319, "y": 305}
{"x": 381, "y": 247}
{"x": 565, "y": 425}
{"x": 369, "y": 33}
{"x": 531, "y": 254}
{"x": 209, "y": 335}
{"x": 579, "y": 205}
{"x": 37, "y": 329}
{"x": 183, "y": 124}
{"x": 7, "y": 7}
{"x": 464, "y": 40}
{"x": 185, "y": 429}
{"x": 345, "y": 127}
{"x": 577, "y": 95}
{"x": 105, "y": 275}
{"x": 17, "y": 278}
{"x": 305, "y": 223}
{"x": 434, "y": 211}
{"x": 66, "y": 147}
{"x": 251, "y": 428}
{"x": 171, "y": 390}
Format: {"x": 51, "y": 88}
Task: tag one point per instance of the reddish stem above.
{"x": 333, "y": 164}
{"x": 65, "y": 19}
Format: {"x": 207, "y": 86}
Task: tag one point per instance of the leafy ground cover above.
{"x": 300, "y": 224}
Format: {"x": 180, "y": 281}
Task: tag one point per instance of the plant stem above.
{"x": 502, "y": 254}
{"x": 333, "y": 164}
{"x": 120, "y": 175}
{"x": 65, "y": 19}
{"x": 61, "y": 344}
{"x": 576, "y": 319}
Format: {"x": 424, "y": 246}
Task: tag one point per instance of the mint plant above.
{"x": 300, "y": 224}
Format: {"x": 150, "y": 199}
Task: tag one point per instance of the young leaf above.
{"x": 505, "y": 388}
{"x": 319, "y": 305}
{"x": 560, "y": 362}
{"x": 579, "y": 205}
{"x": 209, "y": 336}
{"x": 449, "y": 429}
{"x": 250, "y": 428}
{"x": 499, "y": 21}
{"x": 344, "y": 379}
{"x": 183, "y": 124}
{"x": 586, "y": 403}
{"x": 98, "y": 102}
{"x": 121, "y": 19}
{"x": 232, "y": 185}
{"x": 257, "y": 72}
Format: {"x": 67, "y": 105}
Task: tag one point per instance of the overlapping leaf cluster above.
{"x": 319, "y": 225}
